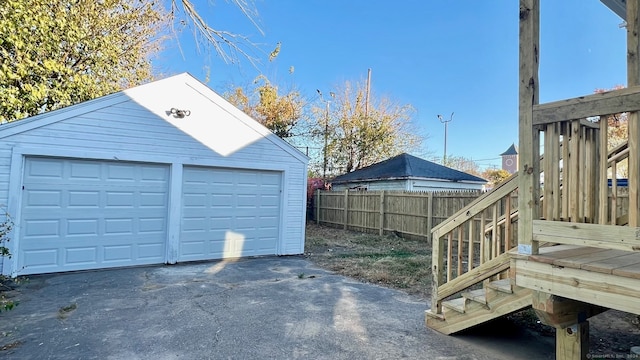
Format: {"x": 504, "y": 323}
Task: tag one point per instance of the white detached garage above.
{"x": 162, "y": 173}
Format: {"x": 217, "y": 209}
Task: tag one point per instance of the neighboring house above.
{"x": 161, "y": 173}
{"x": 409, "y": 173}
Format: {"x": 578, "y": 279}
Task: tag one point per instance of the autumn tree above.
{"x": 55, "y": 53}
{"x": 495, "y": 176}
{"x": 360, "y": 132}
{"x": 617, "y": 132}
{"x": 279, "y": 111}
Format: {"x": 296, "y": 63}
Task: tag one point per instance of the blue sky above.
{"x": 439, "y": 56}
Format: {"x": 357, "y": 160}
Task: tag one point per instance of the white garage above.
{"x": 162, "y": 173}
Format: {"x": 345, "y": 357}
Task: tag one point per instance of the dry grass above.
{"x": 386, "y": 260}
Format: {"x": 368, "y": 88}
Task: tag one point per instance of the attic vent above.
{"x": 179, "y": 113}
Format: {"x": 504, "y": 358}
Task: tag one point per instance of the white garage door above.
{"x": 79, "y": 214}
{"x": 229, "y": 213}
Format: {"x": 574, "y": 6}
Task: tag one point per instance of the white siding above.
{"x": 431, "y": 185}
{"x": 139, "y": 129}
{"x": 408, "y": 185}
{"x": 374, "y": 185}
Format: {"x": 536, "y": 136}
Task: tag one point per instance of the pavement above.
{"x": 257, "y": 308}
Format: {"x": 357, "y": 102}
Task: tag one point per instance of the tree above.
{"x": 463, "y": 164}
{"x": 280, "y": 113}
{"x": 54, "y": 53}
{"x": 229, "y": 46}
{"x": 617, "y": 132}
{"x": 362, "y": 134}
{"x": 495, "y": 176}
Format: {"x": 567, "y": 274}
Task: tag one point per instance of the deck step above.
{"x": 434, "y": 315}
{"x": 478, "y": 295}
{"x": 503, "y": 285}
{"x": 455, "y": 304}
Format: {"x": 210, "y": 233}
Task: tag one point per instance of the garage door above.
{"x": 229, "y": 213}
{"x": 79, "y": 214}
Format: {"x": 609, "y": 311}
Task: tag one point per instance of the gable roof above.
{"x": 148, "y": 95}
{"x": 407, "y": 166}
{"x": 512, "y": 150}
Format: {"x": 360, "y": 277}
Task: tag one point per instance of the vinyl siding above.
{"x": 133, "y": 130}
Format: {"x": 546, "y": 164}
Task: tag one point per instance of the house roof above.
{"x": 512, "y": 150}
{"x": 148, "y": 95}
{"x": 617, "y": 6}
{"x": 407, "y": 166}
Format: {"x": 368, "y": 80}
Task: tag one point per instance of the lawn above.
{"x": 386, "y": 260}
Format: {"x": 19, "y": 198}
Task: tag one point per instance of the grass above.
{"x": 386, "y": 260}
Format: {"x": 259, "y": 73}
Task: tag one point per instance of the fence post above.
{"x": 381, "y": 213}
{"x": 346, "y": 208}
{"x": 429, "y": 217}
{"x": 318, "y": 206}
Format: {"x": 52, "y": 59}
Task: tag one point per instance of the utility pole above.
{"x": 326, "y": 131}
{"x": 366, "y": 103}
{"x": 445, "y": 122}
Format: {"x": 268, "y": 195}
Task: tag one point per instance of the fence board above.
{"x": 403, "y": 213}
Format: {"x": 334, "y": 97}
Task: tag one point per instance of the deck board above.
{"x": 607, "y": 266}
{"x": 616, "y": 262}
{"x": 577, "y": 261}
{"x": 549, "y": 255}
{"x": 631, "y": 271}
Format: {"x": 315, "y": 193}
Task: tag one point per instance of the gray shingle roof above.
{"x": 512, "y": 150}
{"x": 405, "y": 166}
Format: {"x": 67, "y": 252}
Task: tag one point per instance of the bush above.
{"x": 5, "y": 229}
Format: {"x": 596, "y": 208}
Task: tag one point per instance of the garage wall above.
{"x": 137, "y": 126}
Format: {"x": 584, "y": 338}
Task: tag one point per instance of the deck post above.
{"x": 569, "y": 317}
{"x": 633, "y": 79}
{"x": 572, "y": 342}
{"x": 529, "y": 150}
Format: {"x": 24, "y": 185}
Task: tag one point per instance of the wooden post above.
{"x": 437, "y": 252}
{"x": 346, "y": 209}
{"x": 633, "y": 79}
{"x": 318, "y": 206}
{"x": 472, "y": 234}
{"x": 603, "y": 191}
{"x": 529, "y": 138}
{"x": 566, "y": 131}
{"x": 572, "y": 342}
{"x": 568, "y": 316}
{"x": 381, "y": 220}
{"x": 429, "y": 218}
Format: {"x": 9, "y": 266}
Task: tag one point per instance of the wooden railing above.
{"x": 479, "y": 235}
{"x": 580, "y": 184}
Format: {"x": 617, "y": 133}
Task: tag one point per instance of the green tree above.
{"x": 279, "y": 112}
{"x": 54, "y": 53}
{"x": 361, "y": 131}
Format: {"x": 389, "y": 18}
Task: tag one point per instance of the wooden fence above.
{"x": 403, "y": 213}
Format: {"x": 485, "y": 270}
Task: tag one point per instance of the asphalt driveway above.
{"x": 262, "y": 308}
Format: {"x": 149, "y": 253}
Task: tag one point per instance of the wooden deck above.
{"x": 609, "y": 278}
{"x": 616, "y": 262}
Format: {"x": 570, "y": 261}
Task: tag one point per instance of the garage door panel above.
{"x": 92, "y": 214}
{"x": 227, "y": 212}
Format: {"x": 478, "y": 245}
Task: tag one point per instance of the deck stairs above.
{"x": 487, "y": 289}
{"x": 485, "y": 300}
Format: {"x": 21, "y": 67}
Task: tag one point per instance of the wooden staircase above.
{"x": 495, "y": 299}
{"x": 477, "y": 297}
{"x": 483, "y": 234}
